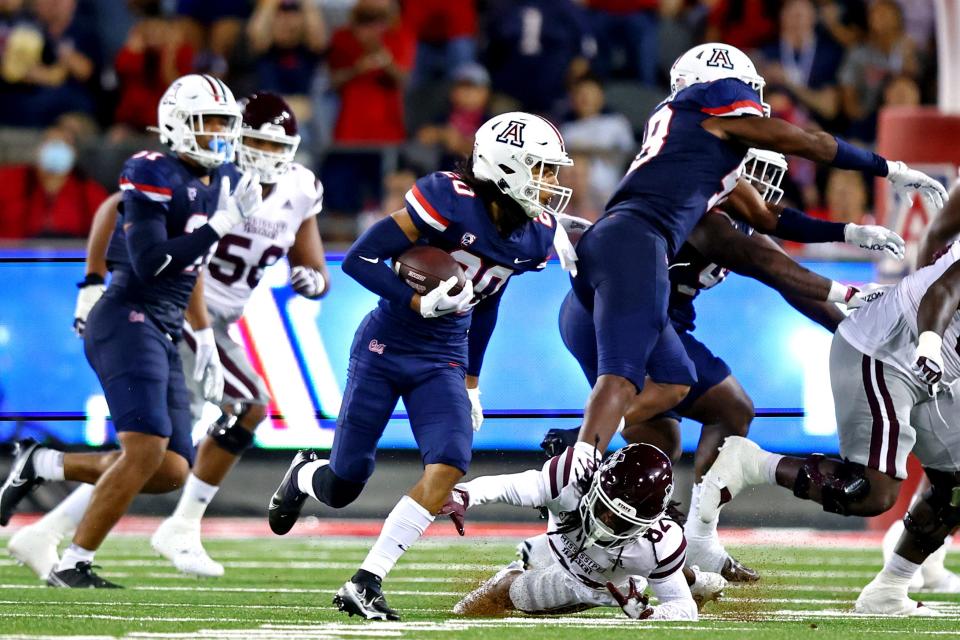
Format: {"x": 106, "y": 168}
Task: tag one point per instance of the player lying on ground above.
{"x": 286, "y": 222}
{"x": 933, "y": 575}
{"x": 694, "y": 144}
{"x": 887, "y": 363}
{"x": 610, "y": 531}
{"x": 175, "y": 207}
{"x": 716, "y": 246}
{"x": 495, "y": 217}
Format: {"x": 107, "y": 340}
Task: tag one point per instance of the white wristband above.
{"x": 929, "y": 345}
{"x": 838, "y": 292}
{"x": 222, "y": 222}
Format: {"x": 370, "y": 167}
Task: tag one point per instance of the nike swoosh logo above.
{"x": 167, "y": 260}
{"x": 519, "y": 261}
{"x": 18, "y": 483}
{"x": 370, "y": 260}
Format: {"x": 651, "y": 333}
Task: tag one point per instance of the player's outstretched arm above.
{"x": 101, "y": 230}
{"x": 309, "y": 275}
{"x": 944, "y": 228}
{"x": 779, "y": 135}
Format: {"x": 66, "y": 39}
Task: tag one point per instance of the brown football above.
{"x": 425, "y": 267}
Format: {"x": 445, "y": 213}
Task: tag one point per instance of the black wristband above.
{"x": 90, "y": 279}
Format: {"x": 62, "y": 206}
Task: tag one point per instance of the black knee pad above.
{"x": 838, "y": 491}
{"x": 333, "y": 490}
{"x": 230, "y": 436}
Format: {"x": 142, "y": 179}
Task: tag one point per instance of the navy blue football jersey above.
{"x": 450, "y": 216}
{"x": 691, "y": 273}
{"x": 163, "y": 181}
{"x": 682, "y": 170}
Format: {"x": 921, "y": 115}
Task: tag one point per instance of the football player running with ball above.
{"x": 496, "y": 217}
{"x": 175, "y": 207}
{"x": 286, "y": 223}
{"x": 693, "y": 146}
{"x": 611, "y": 532}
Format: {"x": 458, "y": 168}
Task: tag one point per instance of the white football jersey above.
{"x": 240, "y": 257}
{"x": 886, "y": 329}
{"x": 656, "y": 555}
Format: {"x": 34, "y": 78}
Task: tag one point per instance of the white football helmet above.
{"x": 513, "y": 150}
{"x": 713, "y": 61}
{"x": 181, "y": 114}
{"x": 765, "y": 170}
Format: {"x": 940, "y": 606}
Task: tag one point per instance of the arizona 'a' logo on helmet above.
{"x": 512, "y": 133}
{"x": 720, "y": 58}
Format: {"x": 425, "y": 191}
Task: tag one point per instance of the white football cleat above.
{"x": 890, "y": 539}
{"x": 933, "y": 577}
{"x": 36, "y": 547}
{"x": 885, "y": 599}
{"x": 739, "y": 465}
{"x": 707, "y": 586}
{"x": 178, "y": 541}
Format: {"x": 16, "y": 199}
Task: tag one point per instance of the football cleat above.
{"x": 557, "y": 440}
{"x": 735, "y": 571}
{"x": 36, "y": 547}
{"x": 456, "y": 507}
{"x": 706, "y": 587}
{"x": 884, "y": 599}
{"x": 738, "y": 466}
{"x": 80, "y": 577}
{"x": 21, "y": 480}
{"x": 364, "y": 599}
{"x": 287, "y": 500}
{"x": 178, "y": 540}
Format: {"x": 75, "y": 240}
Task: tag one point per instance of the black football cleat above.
{"x": 557, "y": 440}
{"x": 287, "y": 501}
{"x": 734, "y": 571}
{"x": 80, "y": 577}
{"x": 21, "y": 480}
{"x": 362, "y": 596}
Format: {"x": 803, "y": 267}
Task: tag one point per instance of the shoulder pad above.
{"x": 432, "y": 201}
{"x": 669, "y": 545}
{"x": 150, "y": 175}
{"x": 729, "y": 97}
{"x": 557, "y": 473}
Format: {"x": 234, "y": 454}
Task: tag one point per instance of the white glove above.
{"x": 86, "y": 298}
{"x": 207, "y": 368}
{"x": 437, "y": 303}
{"x": 307, "y": 281}
{"x": 903, "y": 178}
{"x": 856, "y": 297}
{"x": 476, "y": 411}
{"x": 565, "y": 251}
{"x": 874, "y": 238}
{"x": 928, "y": 358}
{"x": 573, "y": 224}
{"x": 232, "y": 209}
{"x": 633, "y": 603}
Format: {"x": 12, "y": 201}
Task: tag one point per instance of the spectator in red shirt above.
{"x": 154, "y": 55}
{"x": 50, "y": 199}
{"x": 370, "y": 60}
{"x": 747, "y": 24}
{"x": 446, "y": 36}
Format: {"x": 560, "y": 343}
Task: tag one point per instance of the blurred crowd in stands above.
{"x": 387, "y": 90}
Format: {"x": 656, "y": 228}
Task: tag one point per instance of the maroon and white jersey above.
{"x": 261, "y": 240}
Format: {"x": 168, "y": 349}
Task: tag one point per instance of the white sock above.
{"x": 74, "y": 554}
{"x": 898, "y": 570}
{"x": 404, "y": 526}
{"x": 64, "y": 518}
{"x": 695, "y": 526}
{"x": 196, "y": 495}
{"x": 48, "y": 464}
{"x": 770, "y": 467}
{"x": 305, "y": 476}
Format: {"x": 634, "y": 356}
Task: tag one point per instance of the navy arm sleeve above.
{"x": 151, "y": 251}
{"x": 797, "y": 226}
{"x": 482, "y": 322}
{"x": 365, "y": 262}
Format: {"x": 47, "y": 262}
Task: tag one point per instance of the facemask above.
{"x": 56, "y": 157}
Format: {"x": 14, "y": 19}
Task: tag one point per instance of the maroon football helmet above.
{"x": 629, "y": 493}
{"x": 267, "y": 117}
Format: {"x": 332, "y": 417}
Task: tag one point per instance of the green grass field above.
{"x": 281, "y": 588}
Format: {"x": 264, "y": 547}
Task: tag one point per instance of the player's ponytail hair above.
{"x": 489, "y": 192}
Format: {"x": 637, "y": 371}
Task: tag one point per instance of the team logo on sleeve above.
{"x": 720, "y": 58}
{"x": 513, "y": 134}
